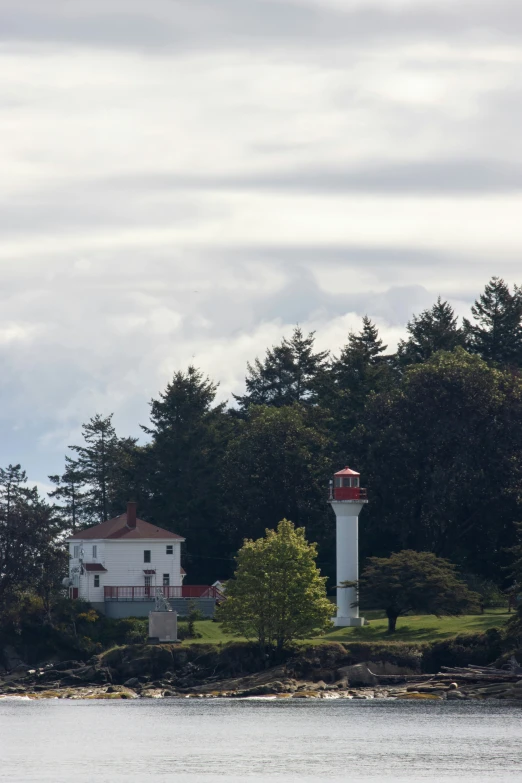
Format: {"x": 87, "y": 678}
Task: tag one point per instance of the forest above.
{"x": 435, "y": 430}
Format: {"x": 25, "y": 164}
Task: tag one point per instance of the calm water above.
{"x": 210, "y": 741}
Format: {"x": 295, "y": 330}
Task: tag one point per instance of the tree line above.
{"x": 435, "y": 430}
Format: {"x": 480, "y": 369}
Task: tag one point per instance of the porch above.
{"x": 148, "y": 592}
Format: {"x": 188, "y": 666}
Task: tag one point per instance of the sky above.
{"x": 183, "y": 182}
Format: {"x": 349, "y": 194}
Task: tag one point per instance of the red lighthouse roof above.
{"x": 347, "y": 472}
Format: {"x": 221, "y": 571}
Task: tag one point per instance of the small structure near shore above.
{"x": 163, "y": 622}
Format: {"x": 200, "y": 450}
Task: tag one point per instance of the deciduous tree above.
{"x": 418, "y": 582}
{"x": 277, "y": 594}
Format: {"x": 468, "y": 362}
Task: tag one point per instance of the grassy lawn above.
{"x": 415, "y": 628}
{"x": 419, "y": 628}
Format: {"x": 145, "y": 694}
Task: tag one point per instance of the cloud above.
{"x": 421, "y": 178}
{"x": 184, "y": 181}
{"x": 202, "y": 24}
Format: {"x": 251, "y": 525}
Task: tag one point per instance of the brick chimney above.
{"x": 131, "y": 516}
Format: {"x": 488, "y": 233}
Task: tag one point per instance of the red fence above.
{"x": 145, "y": 593}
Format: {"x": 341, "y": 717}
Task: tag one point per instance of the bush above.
{"x": 478, "y": 649}
{"x": 187, "y": 631}
{"x": 491, "y": 595}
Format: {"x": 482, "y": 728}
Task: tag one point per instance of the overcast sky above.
{"x": 183, "y": 181}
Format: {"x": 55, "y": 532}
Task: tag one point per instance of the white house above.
{"x": 119, "y": 565}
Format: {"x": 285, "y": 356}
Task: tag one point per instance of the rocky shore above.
{"x": 167, "y": 671}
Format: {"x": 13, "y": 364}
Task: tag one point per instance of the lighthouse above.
{"x": 347, "y": 499}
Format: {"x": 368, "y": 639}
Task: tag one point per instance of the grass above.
{"x": 419, "y": 628}
{"x": 414, "y": 628}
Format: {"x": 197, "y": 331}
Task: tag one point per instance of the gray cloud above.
{"x": 176, "y": 24}
{"x": 423, "y": 178}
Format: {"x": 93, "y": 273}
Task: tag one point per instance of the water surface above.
{"x": 222, "y": 740}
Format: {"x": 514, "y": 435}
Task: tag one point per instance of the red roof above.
{"x": 94, "y": 567}
{"x": 149, "y": 570}
{"x": 347, "y": 472}
{"x": 182, "y": 571}
{"x": 117, "y": 529}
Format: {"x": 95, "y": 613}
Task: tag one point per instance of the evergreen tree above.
{"x": 361, "y": 370}
{"x": 433, "y": 330}
{"x": 287, "y": 373}
{"x": 28, "y": 530}
{"x": 441, "y": 456}
{"x": 277, "y": 463}
{"x": 13, "y": 490}
{"x": 68, "y": 490}
{"x": 98, "y": 468}
{"x": 188, "y": 430}
{"x": 496, "y": 334}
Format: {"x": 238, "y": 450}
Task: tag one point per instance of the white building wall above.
{"x": 125, "y": 564}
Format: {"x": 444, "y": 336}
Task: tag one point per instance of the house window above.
{"x": 166, "y": 580}
{"x": 94, "y": 551}
{"x": 170, "y": 549}
{"x": 96, "y": 580}
{"x": 146, "y": 556}
{"x": 76, "y": 551}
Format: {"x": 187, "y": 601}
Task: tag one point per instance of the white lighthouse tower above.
{"x": 347, "y": 499}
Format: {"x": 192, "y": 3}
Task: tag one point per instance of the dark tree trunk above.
{"x": 392, "y": 621}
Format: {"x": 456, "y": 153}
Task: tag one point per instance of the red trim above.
{"x": 349, "y": 493}
{"x": 143, "y": 593}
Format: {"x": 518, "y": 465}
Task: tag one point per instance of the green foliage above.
{"x": 287, "y": 374}
{"x": 275, "y": 466}
{"x": 28, "y": 529}
{"x": 182, "y": 481}
{"x": 489, "y": 592}
{"x": 441, "y": 456}
{"x": 416, "y": 582}
{"x": 68, "y": 491}
{"x": 361, "y": 371}
{"x": 477, "y": 649}
{"x": 92, "y": 484}
{"x": 436, "y": 434}
{"x": 496, "y": 334}
{"x": 70, "y": 629}
{"x": 193, "y": 616}
{"x": 277, "y": 594}
{"x": 433, "y": 330}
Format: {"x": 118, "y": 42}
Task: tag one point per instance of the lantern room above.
{"x": 346, "y": 486}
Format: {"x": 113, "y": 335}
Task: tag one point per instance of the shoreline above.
{"x": 277, "y": 691}
{"x": 168, "y": 671}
